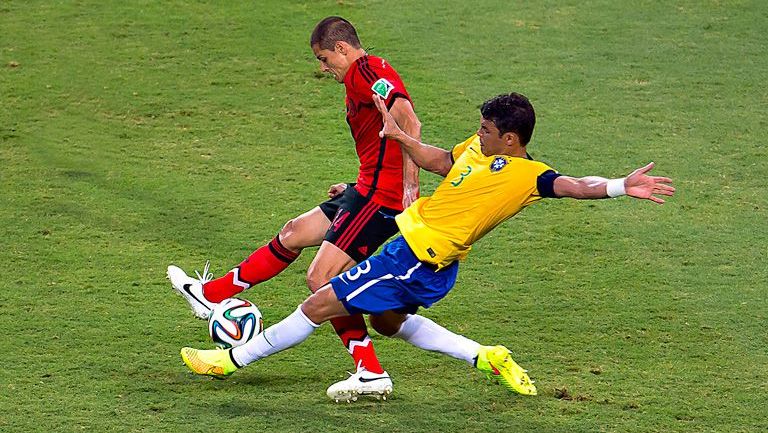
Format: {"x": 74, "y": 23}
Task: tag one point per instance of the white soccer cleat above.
{"x": 362, "y": 382}
{"x": 192, "y": 289}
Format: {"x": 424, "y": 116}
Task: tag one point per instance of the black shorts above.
{"x": 358, "y": 225}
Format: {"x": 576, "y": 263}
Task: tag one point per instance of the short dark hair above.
{"x": 331, "y": 30}
{"x": 511, "y": 113}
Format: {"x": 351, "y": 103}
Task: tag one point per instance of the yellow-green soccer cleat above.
{"x": 216, "y": 363}
{"x": 497, "y": 363}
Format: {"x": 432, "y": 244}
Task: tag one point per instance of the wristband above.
{"x": 615, "y": 187}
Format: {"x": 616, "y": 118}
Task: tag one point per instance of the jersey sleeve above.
{"x": 461, "y": 147}
{"x": 379, "y": 77}
{"x": 545, "y": 183}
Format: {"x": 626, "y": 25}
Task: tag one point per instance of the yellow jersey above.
{"x": 479, "y": 193}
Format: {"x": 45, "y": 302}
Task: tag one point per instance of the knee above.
{"x": 383, "y": 326}
{"x": 288, "y": 232}
{"x": 317, "y": 279}
{"x": 322, "y": 306}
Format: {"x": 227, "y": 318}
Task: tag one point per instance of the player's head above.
{"x": 331, "y": 30}
{"x": 336, "y": 46}
{"x": 507, "y": 122}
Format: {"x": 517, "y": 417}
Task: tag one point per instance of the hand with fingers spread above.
{"x": 390, "y": 128}
{"x": 639, "y": 185}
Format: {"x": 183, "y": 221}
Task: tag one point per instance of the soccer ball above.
{"x": 233, "y": 322}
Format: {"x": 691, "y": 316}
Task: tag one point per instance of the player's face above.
{"x": 490, "y": 142}
{"x": 331, "y": 62}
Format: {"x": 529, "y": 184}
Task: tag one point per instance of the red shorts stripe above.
{"x": 357, "y": 225}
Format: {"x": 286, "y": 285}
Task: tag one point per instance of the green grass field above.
{"x": 137, "y": 134}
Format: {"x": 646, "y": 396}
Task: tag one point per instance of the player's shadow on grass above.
{"x": 312, "y": 402}
{"x": 280, "y": 378}
{"x": 273, "y": 381}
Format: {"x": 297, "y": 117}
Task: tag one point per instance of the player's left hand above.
{"x": 639, "y": 185}
{"x": 337, "y": 189}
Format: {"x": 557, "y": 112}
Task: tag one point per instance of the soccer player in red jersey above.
{"x": 357, "y": 218}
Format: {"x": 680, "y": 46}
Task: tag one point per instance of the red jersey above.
{"x": 381, "y": 160}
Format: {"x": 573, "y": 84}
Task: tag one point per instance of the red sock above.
{"x": 261, "y": 265}
{"x": 354, "y": 335}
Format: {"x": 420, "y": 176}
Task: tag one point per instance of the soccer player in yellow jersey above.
{"x": 488, "y": 179}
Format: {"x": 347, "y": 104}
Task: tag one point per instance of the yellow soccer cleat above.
{"x": 217, "y": 363}
{"x": 497, "y": 363}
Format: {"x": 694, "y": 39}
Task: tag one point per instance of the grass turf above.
{"x": 136, "y": 134}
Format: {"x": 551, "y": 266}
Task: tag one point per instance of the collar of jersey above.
{"x": 353, "y": 67}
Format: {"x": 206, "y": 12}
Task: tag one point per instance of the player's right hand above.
{"x": 390, "y": 128}
{"x": 410, "y": 194}
{"x": 337, "y": 189}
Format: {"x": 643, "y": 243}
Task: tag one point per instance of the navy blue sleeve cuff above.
{"x": 545, "y": 183}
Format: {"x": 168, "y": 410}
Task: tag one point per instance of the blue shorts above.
{"x": 393, "y": 280}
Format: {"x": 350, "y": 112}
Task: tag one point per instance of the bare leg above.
{"x": 303, "y": 231}
{"x": 329, "y": 262}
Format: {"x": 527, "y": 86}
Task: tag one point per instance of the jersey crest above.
{"x": 498, "y": 163}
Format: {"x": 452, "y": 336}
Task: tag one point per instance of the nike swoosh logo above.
{"x": 363, "y": 379}
{"x": 186, "y": 289}
{"x": 386, "y": 216}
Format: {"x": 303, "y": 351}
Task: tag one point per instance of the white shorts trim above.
{"x": 362, "y": 288}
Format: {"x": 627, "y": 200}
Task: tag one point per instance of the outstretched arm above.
{"x": 638, "y": 185}
{"x": 402, "y": 112}
{"x": 428, "y": 157}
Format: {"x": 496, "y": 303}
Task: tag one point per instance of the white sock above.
{"x": 287, "y": 333}
{"x": 428, "y": 335}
